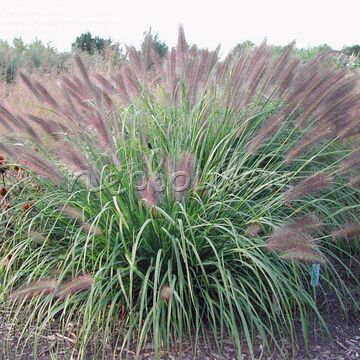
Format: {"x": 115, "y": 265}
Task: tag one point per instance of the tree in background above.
{"x": 160, "y": 46}
{"x": 244, "y": 46}
{"x": 352, "y": 50}
{"x": 87, "y": 43}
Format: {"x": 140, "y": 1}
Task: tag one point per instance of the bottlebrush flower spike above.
{"x": 91, "y": 229}
{"x": 182, "y": 48}
{"x": 46, "y": 97}
{"x": 54, "y": 130}
{"x": 17, "y": 123}
{"x": 6, "y": 261}
{"x": 354, "y": 181}
{"x": 253, "y": 230}
{"x": 307, "y": 224}
{"x": 73, "y": 213}
{"x": 266, "y": 131}
{"x": 36, "y": 237}
{"x": 284, "y": 239}
{"x": 106, "y": 84}
{"x": 314, "y": 183}
{"x": 76, "y": 285}
{"x": 350, "y": 163}
{"x": 316, "y": 104}
{"x": 314, "y": 136}
{"x": 349, "y": 131}
{"x": 42, "y": 287}
{"x": 29, "y": 84}
{"x": 304, "y": 255}
{"x": 33, "y": 161}
{"x": 41, "y": 167}
{"x": 78, "y": 163}
{"x": 85, "y": 74}
{"x": 165, "y": 293}
{"x": 148, "y": 191}
{"x": 294, "y": 240}
{"x": 183, "y": 176}
{"x": 348, "y": 232}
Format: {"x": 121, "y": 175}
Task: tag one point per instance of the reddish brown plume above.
{"x": 76, "y": 285}
{"x": 348, "y": 232}
{"x": 42, "y": 287}
{"x": 312, "y": 184}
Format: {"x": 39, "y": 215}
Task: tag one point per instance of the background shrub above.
{"x": 87, "y": 43}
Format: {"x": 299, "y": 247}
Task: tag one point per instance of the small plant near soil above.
{"x": 182, "y": 197}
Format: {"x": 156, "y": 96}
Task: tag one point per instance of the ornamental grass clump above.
{"x": 194, "y": 193}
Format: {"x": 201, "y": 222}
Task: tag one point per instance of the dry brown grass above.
{"x": 18, "y": 98}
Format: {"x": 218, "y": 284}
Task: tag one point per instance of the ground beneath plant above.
{"x": 343, "y": 344}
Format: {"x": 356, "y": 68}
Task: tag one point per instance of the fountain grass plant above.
{"x": 181, "y": 198}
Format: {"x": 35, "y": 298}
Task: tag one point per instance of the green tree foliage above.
{"x": 243, "y": 47}
{"x": 87, "y": 43}
{"x": 160, "y": 46}
{"x": 352, "y": 50}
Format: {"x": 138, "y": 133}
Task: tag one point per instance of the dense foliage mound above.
{"x": 182, "y": 197}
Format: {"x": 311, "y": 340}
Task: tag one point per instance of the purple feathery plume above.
{"x": 33, "y": 161}
{"x": 183, "y": 176}
{"x": 314, "y": 136}
{"x": 314, "y": 183}
{"x": 41, "y": 287}
{"x": 148, "y": 191}
{"x": 348, "y": 232}
{"x": 295, "y": 240}
{"x": 351, "y": 162}
{"x": 76, "y": 285}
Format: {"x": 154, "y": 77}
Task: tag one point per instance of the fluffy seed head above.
{"x": 149, "y": 191}
{"x": 27, "y": 206}
{"x": 312, "y": 184}
{"x": 352, "y": 162}
{"x": 253, "y": 230}
{"x": 92, "y": 229}
{"x": 307, "y": 224}
{"x": 354, "y": 181}
{"x": 183, "y": 177}
{"x": 165, "y": 293}
{"x": 304, "y": 255}
{"x": 42, "y": 287}
{"x": 36, "y": 237}
{"x": 76, "y": 285}
{"x": 73, "y": 213}
{"x": 6, "y": 261}
{"x": 294, "y": 240}
{"x": 314, "y": 136}
{"x": 348, "y": 232}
